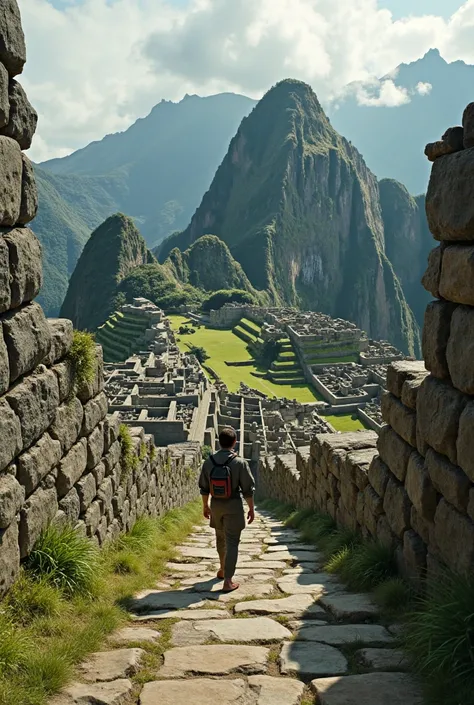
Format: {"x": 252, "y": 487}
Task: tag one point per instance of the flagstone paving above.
{"x": 286, "y": 636}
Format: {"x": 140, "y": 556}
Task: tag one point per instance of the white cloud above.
{"x": 97, "y": 65}
{"x": 386, "y": 94}
{"x": 423, "y": 88}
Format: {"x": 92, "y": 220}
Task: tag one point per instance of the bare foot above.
{"x": 230, "y": 586}
{"x": 220, "y": 574}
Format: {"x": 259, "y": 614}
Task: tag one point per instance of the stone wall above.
{"x": 61, "y": 458}
{"x": 413, "y": 488}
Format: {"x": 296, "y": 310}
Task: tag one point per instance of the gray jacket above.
{"x": 243, "y": 482}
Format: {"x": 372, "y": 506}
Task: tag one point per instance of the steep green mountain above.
{"x": 70, "y": 207}
{"x": 208, "y": 265}
{"x": 111, "y": 253}
{"x": 156, "y": 172}
{"x": 392, "y": 137}
{"x": 300, "y": 211}
{"x": 408, "y": 241}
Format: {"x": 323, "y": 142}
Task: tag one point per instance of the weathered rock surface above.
{"x": 27, "y": 337}
{"x": 258, "y": 629}
{"x": 26, "y": 276}
{"x": 110, "y": 665}
{"x": 10, "y": 433}
{"x": 11, "y": 175}
{"x": 295, "y": 605}
{"x": 12, "y": 39}
{"x": 314, "y": 583}
{"x": 460, "y": 349}
{"x": 369, "y": 689}
{"x": 23, "y": 117}
{"x": 12, "y": 496}
{"x": 309, "y": 660}
{"x": 214, "y": 660}
{"x": 383, "y": 659}
{"x": 448, "y": 201}
{"x": 29, "y": 193}
{"x": 276, "y": 691}
{"x": 115, "y": 693}
{"x": 340, "y": 634}
{"x": 199, "y": 691}
{"x": 350, "y": 606}
{"x": 34, "y": 400}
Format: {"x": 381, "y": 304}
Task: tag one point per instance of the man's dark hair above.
{"x": 227, "y": 437}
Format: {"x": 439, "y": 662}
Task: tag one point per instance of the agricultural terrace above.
{"x": 224, "y": 345}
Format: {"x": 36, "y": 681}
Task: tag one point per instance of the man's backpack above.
{"x": 220, "y": 479}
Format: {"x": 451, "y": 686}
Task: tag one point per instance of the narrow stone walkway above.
{"x": 291, "y": 634}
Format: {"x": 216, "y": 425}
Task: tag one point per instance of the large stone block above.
{"x": 35, "y": 400}
{"x": 448, "y": 479}
{"x": 62, "y": 333}
{"x": 449, "y": 206}
{"x": 38, "y": 511}
{"x": 27, "y": 337}
{"x": 436, "y": 331}
{"x": 72, "y": 467}
{"x": 12, "y": 39}
{"x": 26, "y": 271}
{"x": 4, "y": 364}
{"x": 9, "y": 557}
{"x": 465, "y": 442}
{"x": 5, "y": 291}
{"x": 454, "y": 537}
{"x": 95, "y": 411}
{"x": 394, "y": 451}
{"x": 10, "y": 433}
{"x": 399, "y": 417}
{"x": 65, "y": 376}
{"x": 414, "y": 556}
{"x": 95, "y": 447}
{"x": 401, "y": 371}
{"x": 67, "y": 423}
{"x": 379, "y": 475}
{"x": 11, "y": 177}
{"x": 410, "y": 390}
{"x": 432, "y": 275}
{"x": 438, "y": 411}
{"x": 460, "y": 349}
{"x": 91, "y": 389}
{"x": 12, "y": 496}
{"x": 468, "y": 126}
{"x": 4, "y": 100}
{"x": 421, "y": 526}
{"x": 23, "y": 117}
{"x": 71, "y": 506}
{"x": 457, "y": 274}
{"x": 92, "y": 518}
{"x": 420, "y": 488}
{"x": 87, "y": 490}
{"x": 111, "y": 431}
{"x": 397, "y": 507}
{"x": 29, "y": 193}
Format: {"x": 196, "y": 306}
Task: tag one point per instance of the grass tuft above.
{"x": 129, "y": 457}
{"x": 82, "y": 359}
{"x": 141, "y": 536}
{"x": 393, "y": 596}
{"x": 368, "y": 565}
{"x": 66, "y": 560}
{"x": 439, "y": 640}
{"x": 32, "y": 598}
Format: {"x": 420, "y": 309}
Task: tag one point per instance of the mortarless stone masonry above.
{"x": 60, "y": 457}
{"x": 413, "y": 486}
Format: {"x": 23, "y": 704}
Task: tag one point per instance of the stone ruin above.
{"x": 60, "y": 453}
{"x": 412, "y": 487}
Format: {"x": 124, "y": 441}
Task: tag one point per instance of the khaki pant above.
{"x": 228, "y": 520}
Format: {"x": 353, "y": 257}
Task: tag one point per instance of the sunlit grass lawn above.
{"x": 222, "y": 346}
{"x": 346, "y": 423}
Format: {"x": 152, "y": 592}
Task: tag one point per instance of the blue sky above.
{"x": 402, "y": 8}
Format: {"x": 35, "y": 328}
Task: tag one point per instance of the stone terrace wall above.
{"x": 60, "y": 457}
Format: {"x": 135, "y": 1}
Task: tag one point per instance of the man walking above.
{"x": 226, "y": 478}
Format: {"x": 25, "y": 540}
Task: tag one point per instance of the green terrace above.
{"x": 121, "y": 336}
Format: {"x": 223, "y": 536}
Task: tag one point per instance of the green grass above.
{"x": 45, "y": 631}
{"x": 345, "y": 423}
{"x": 439, "y": 640}
{"x": 222, "y": 346}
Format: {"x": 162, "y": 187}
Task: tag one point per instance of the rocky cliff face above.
{"x": 301, "y": 212}
{"x": 208, "y": 265}
{"x": 112, "y": 252}
{"x": 407, "y": 241}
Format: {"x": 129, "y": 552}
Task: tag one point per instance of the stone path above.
{"x": 291, "y": 634}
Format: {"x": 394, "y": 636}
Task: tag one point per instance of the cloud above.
{"x": 423, "y": 88}
{"x": 96, "y": 65}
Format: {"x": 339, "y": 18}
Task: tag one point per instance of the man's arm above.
{"x": 247, "y": 485}
{"x": 205, "y": 491}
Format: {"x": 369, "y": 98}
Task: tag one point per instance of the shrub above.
{"x": 439, "y": 640}
{"x": 368, "y": 565}
{"x": 206, "y": 451}
{"x": 226, "y": 296}
{"x": 199, "y": 352}
{"x": 30, "y": 598}
{"x": 129, "y": 457}
{"x": 65, "y": 559}
{"x": 82, "y": 359}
